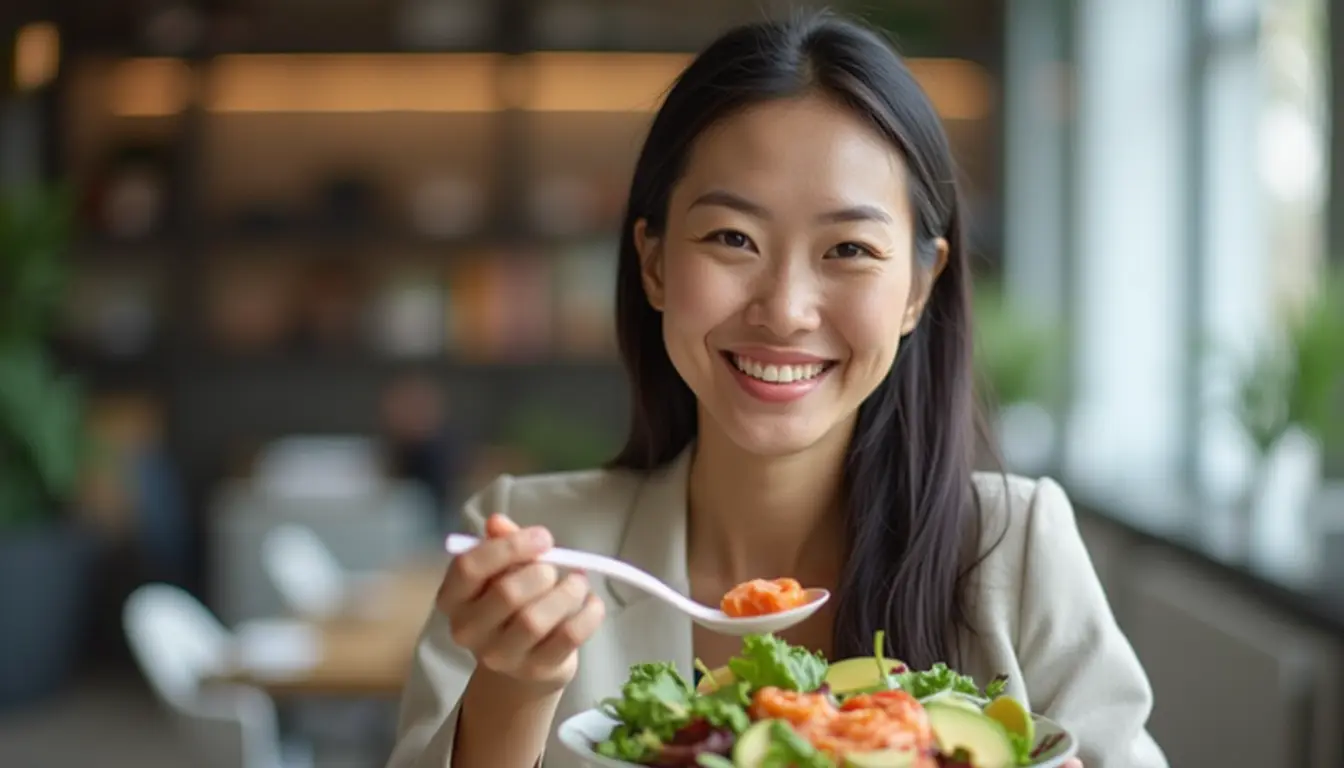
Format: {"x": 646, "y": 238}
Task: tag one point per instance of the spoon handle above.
{"x": 570, "y": 558}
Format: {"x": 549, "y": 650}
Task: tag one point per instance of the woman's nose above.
{"x": 786, "y": 302}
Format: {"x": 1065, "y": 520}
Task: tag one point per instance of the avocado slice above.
{"x": 753, "y": 745}
{"x": 860, "y": 675}
{"x": 981, "y": 739}
{"x": 882, "y": 758}
{"x": 955, "y": 699}
{"x": 714, "y": 680}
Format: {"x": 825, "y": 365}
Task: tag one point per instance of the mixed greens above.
{"x": 660, "y": 714}
{"x": 663, "y": 720}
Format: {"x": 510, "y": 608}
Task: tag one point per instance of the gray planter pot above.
{"x": 43, "y": 607}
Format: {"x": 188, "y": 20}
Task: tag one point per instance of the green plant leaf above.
{"x": 1297, "y": 379}
{"x": 41, "y": 412}
{"x": 1018, "y": 357}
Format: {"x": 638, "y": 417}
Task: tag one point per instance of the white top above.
{"x": 1040, "y": 614}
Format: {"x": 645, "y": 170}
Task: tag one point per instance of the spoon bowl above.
{"x": 710, "y": 618}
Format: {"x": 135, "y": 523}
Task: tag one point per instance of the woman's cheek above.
{"x": 701, "y": 295}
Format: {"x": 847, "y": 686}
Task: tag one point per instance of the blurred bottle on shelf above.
{"x": 128, "y": 198}
{"x": 585, "y": 293}
{"x": 447, "y": 207}
{"x": 114, "y": 312}
{"x": 408, "y": 316}
{"x": 331, "y": 302}
{"x": 250, "y": 305}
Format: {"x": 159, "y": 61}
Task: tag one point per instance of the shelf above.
{"x": 105, "y": 373}
{"x": 340, "y": 363}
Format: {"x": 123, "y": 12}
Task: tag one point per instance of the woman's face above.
{"x": 785, "y": 274}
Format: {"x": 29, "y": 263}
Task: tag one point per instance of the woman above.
{"x": 794, "y": 313}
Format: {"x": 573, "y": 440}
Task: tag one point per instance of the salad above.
{"x": 780, "y": 706}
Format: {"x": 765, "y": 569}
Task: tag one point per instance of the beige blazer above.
{"x": 1038, "y": 607}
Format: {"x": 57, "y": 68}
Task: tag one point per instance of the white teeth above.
{"x": 777, "y": 374}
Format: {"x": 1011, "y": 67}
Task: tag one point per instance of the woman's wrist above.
{"x": 503, "y": 723}
{"x": 513, "y": 692}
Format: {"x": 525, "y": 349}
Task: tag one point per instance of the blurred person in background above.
{"x": 794, "y": 312}
{"x": 422, "y": 444}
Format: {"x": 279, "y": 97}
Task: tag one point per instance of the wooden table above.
{"x": 367, "y": 653}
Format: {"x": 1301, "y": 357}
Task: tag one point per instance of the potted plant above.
{"x": 1289, "y": 404}
{"x": 43, "y": 553}
{"x": 1017, "y": 360}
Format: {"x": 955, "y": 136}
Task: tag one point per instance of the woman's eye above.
{"x": 730, "y": 238}
{"x": 849, "y": 251}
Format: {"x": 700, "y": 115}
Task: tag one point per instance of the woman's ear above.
{"x": 650, "y": 251}
{"x": 925, "y": 278}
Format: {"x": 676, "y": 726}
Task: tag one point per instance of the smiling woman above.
{"x": 771, "y": 292}
{"x": 794, "y": 314}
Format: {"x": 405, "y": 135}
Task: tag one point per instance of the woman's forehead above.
{"x": 797, "y": 153}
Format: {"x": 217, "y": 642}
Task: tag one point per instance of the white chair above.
{"x": 305, "y": 572}
{"x": 177, "y": 643}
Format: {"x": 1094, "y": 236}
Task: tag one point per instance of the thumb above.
{"x": 499, "y": 526}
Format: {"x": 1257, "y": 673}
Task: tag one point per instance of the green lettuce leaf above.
{"x": 1021, "y": 749}
{"x": 656, "y": 702}
{"x": 766, "y": 660}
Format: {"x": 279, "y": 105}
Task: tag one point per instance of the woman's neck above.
{"x": 766, "y": 517}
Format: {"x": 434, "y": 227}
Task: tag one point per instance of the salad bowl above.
{"x": 583, "y": 731}
{"x": 780, "y": 706}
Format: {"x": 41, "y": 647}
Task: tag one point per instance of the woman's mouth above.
{"x": 777, "y": 381}
{"x": 777, "y": 373}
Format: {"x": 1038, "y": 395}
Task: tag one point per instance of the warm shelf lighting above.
{"x": 600, "y": 82}
{"x": 461, "y": 83}
{"x": 37, "y": 55}
{"x": 354, "y": 83}
{"x": 150, "y": 87}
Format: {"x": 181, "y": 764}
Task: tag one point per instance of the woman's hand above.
{"x": 518, "y": 617}
{"x": 1074, "y": 763}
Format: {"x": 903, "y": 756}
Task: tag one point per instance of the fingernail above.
{"x": 539, "y": 536}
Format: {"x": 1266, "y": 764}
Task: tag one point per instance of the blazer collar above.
{"x": 655, "y": 531}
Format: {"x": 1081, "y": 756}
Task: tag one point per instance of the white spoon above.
{"x": 707, "y": 617}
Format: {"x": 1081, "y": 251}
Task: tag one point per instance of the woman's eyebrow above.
{"x": 725, "y": 199}
{"x": 856, "y": 213}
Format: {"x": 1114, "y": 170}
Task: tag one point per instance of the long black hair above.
{"x": 909, "y": 500}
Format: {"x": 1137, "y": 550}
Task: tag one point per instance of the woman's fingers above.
{"x": 573, "y": 633}
{"x": 470, "y": 572}
{"x": 499, "y": 526}
{"x": 534, "y": 623}
{"x": 477, "y": 621}
{"x": 519, "y": 617}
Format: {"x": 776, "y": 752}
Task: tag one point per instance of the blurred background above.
{"x": 283, "y": 281}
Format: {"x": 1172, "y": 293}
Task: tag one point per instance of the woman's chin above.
{"x": 776, "y": 439}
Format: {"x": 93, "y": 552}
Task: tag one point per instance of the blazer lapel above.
{"x": 644, "y": 628}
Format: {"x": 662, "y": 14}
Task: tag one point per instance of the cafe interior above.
{"x": 319, "y": 270}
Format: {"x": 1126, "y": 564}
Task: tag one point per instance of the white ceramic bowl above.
{"x": 580, "y": 732}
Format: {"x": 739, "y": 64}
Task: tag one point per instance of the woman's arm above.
{"x": 432, "y": 701}
{"x": 501, "y": 725}
{"x": 499, "y": 649}
{"x": 1080, "y": 670}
